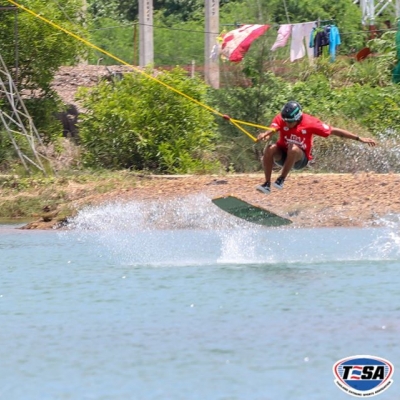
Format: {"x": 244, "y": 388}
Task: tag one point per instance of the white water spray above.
{"x": 193, "y": 231}
{"x": 160, "y": 232}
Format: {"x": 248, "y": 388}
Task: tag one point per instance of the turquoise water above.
{"x": 178, "y": 300}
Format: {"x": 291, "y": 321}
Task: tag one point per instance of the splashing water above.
{"x": 350, "y": 156}
{"x": 191, "y": 212}
{"x": 387, "y": 245}
{"x": 193, "y": 231}
{"x": 141, "y": 231}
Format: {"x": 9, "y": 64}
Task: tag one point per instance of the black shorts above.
{"x": 298, "y": 164}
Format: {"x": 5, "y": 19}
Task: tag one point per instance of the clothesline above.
{"x": 312, "y": 38}
{"x": 238, "y": 25}
{"x": 317, "y": 21}
{"x": 306, "y": 38}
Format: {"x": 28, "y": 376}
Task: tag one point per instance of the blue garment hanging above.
{"x": 334, "y": 41}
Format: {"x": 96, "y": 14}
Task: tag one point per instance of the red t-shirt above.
{"x": 302, "y": 133}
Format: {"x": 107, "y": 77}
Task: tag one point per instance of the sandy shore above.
{"x": 309, "y": 200}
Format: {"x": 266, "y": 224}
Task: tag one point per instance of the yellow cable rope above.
{"x": 233, "y": 121}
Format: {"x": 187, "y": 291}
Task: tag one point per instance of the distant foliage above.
{"x": 375, "y": 108}
{"x": 42, "y": 49}
{"x": 127, "y": 10}
{"x": 115, "y": 38}
{"x": 139, "y": 123}
{"x": 6, "y": 151}
{"x": 257, "y": 103}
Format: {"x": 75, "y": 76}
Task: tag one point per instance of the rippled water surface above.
{"x": 181, "y": 301}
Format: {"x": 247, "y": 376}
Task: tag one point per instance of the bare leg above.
{"x": 294, "y": 154}
{"x": 271, "y": 153}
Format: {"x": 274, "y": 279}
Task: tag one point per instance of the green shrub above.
{"x": 141, "y": 124}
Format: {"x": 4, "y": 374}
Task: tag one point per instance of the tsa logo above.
{"x": 363, "y": 376}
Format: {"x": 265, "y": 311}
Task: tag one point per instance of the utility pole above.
{"x": 211, "y": 65}
{"x": 146, "y": 48}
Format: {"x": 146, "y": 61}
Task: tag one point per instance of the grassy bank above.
{"x": 57, "y": 197}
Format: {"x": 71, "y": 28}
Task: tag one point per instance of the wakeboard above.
{"x": 249, "y": 212}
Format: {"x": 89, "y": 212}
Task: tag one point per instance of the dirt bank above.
{"x": 309, "y": 200}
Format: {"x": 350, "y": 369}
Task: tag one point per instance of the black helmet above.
{"x": 291, "y": 111}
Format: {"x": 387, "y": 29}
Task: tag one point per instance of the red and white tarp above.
{"x": 236, "y": 43}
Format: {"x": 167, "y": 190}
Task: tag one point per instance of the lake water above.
{"x": 178, "y": 300}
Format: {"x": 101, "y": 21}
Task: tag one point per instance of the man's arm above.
{"x": 348, "y": 135}
{"x": 265, "y": 135}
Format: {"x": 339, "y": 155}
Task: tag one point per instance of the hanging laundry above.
{"x": 215, "y": 51}
{"x": 334, "y": 41}
{"x": 236, "y": 43}
{"x": 300, "y": 36}
{"x": 284, "y": 32}
{"x": 324, "y": 40}
{"x": 321, "y": 39}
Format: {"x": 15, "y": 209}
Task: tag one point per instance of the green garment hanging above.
{"x": 396, "y": 70}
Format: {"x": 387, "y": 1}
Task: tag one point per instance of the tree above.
{"x": 128, "y": 10}
{"x": 39, "y": 49}
{"x": 42, "y": 49}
